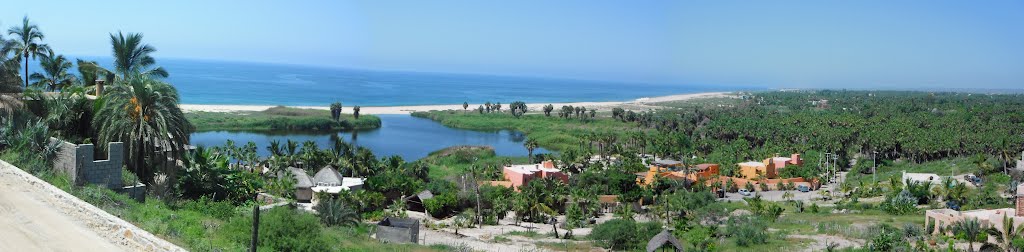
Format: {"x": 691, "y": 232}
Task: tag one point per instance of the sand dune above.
{"x": 384, "y": 110}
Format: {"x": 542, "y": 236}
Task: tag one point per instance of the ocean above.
{"x": 238, "y": 83}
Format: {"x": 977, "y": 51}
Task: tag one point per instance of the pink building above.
{"x": 781, "y": 162}
{"x": 522, "y": 174}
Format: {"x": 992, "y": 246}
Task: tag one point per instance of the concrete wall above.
{"x": 136, "y": 192}
{"x": 78, "y": 162}
{"x": 108, "y": 226}
{"x": 1020, "y": 163}
{"x": 398, "y": 230}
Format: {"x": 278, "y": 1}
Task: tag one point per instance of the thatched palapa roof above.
{"x": 663, "y": 238}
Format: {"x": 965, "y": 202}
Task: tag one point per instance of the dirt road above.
{"x": 29, "y": 223}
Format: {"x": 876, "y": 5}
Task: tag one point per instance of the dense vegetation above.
{"x": 913, "y": 126}
{"x": 281, "y": 118}
{"x": 207, "y": 204}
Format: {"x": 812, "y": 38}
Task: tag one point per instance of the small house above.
{"x": 520, "y": 175}
{"x": 303, "y": 185}
{"x": 415, "y": 202}
{"x": 330, "y": 181}
{"x": 664, "y": 241}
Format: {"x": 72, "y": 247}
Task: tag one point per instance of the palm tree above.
{"x": 1008, "y": 232}
{"x": 10, "y": 82}
{"x": 29, "y": 43}
{"x": 131, "y": 56}
{"x": 970, "y": 229}
{"x": 530, "y": 145}
{"x": 475, "y": 171}
{"x": 55, "y": 72}
{"x": 89, "y": 72}
{"x": 335, "y": 212}
{"x": 144, "y": 114}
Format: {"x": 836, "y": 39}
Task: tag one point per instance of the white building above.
{"x": 921, "y": 177}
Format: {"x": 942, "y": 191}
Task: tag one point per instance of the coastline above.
{"x": 398, "y": 110}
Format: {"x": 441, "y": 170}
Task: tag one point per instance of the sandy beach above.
{"x": 385, "y": 110}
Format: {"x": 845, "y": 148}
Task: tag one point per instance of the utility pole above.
{"x": 255, "y": 227}
{"x": 874, "y": 167}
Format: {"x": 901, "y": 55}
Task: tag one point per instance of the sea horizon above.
{"x": 224, "y": 82}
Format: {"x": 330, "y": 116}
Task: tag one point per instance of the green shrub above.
{"x": 335, "y": 212}
{"x": 441, "y": 205}
{"x": 748, "y": 230}
{"x": 207, "y": 174}
{"x": 624, "y": 234}
{"x": 886, "y": 238}
{"x": 218, "y": 209}
{"x": 900, "y": 204}
{"x": 281, "y": 229}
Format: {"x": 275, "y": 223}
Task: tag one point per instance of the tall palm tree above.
{"x": 90, "y": 71}
{"x": 55, "y": 72}
{"x": 144, "y": 114}
{"x": 475, "y": 171}
{"x": 28, "y": 43}
{"x": 1008, "y": 232}
{"x": 131, "y": 56}
{"x": 970, "y": 229}
{"x": 530, "y": 145}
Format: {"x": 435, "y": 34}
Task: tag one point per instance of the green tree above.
{"x": 55, "y": 72}
{"x": 969, "y": 230}
{"x": 335, "y": 110}
{"x": 131, "y": 56}
{"x": 517, "y": 108}
{"x": 207, "y": 174}
{"x": 143, "y": 113}
{"x": 335, "y": 212}
{"x": 1006, "y": 232}
{"x": 28, "y": 42}
{"x": 530, "y": 145}
{"x": 90, "y": 71}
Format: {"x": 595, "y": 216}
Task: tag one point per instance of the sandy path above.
{"x": 28, "y": 223}
{"x": 431, "y": 237}
{"x": 821, "y": 242}
{"x": 538, "y": 106}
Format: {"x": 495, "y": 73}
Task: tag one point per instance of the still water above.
{"x": 404, "y": 135}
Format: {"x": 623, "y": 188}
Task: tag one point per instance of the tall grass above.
{"x": 280, "y": 118}
{"x": 552, "y": 132}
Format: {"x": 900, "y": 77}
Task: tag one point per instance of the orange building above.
{"x": 769, "y": 168}
{"x": 705, "y": 171}
{"x": 751, "y": 170}
{"x": 701, "y": 171}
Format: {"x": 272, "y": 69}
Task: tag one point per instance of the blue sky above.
{"x": 848, "y": 44}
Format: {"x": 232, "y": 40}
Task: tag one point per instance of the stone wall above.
{"x": 398, "y": 230}
{"x": 114, "y": 229}
{"x": 77, "y": 160}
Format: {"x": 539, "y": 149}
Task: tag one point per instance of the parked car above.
{"x": 973, "y": 179}
{"x": 803, "y": 188}
{"x": 744, "y": 192}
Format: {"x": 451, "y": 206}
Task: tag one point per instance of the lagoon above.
{"x": 410, "y": 137}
